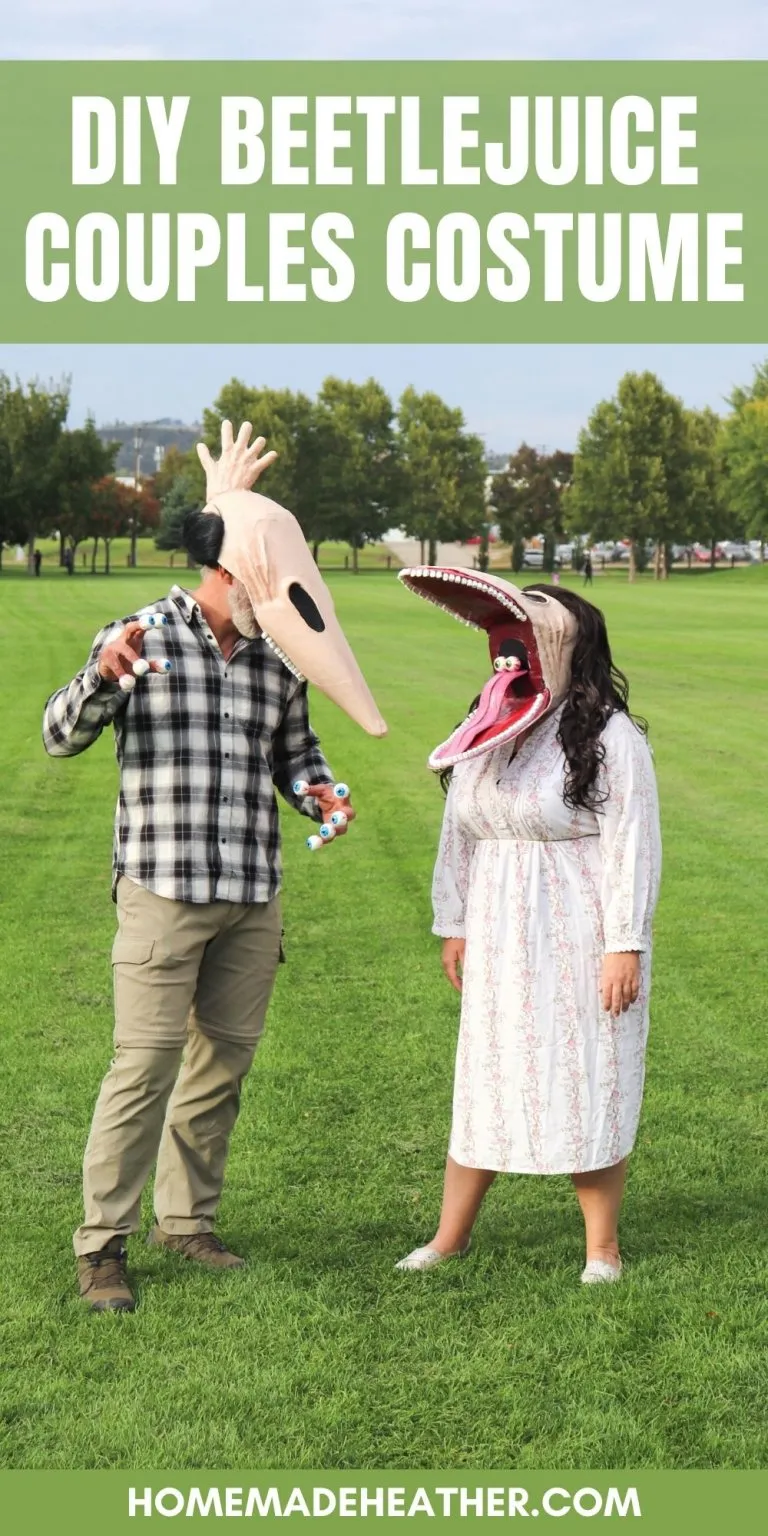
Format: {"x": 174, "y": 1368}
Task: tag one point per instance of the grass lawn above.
{"x": 319, "y": 1355}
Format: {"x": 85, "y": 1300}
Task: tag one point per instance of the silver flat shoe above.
{"x": 427, "y": 1258}
{"x": 600, "y": 1272}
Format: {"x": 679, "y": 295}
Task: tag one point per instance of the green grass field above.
{"x": 319, "y": 1355}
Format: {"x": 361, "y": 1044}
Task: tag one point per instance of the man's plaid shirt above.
{"x": 199, "y": 750}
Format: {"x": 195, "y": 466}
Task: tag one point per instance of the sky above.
{"x": 542, "y": 395}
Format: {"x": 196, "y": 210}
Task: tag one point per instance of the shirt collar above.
{"x": 185, "y": 602}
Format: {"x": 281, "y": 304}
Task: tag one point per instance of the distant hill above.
{"x": 164, "y": 434}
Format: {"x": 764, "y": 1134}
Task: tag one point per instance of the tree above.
{"x": 288, "y": 422}
{"x": 528, "y": 500}
{"x": 114, "y": 507}
{"x": 355, "y": 462}
{"x": 31, "y": 422}
{"x": 745, "y": 453}
{"x": 178, "y": 500}
{"x": 82, "y": 460}
{"x": 631, "y": 475}
{"x": 710, "y": 516}
{"x": 441, "y": 473}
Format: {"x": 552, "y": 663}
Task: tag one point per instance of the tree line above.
{"x": 352, "y": 465}
{"x": 55, "y": 479}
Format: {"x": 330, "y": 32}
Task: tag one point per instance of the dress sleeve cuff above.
{"x": 448, "y": 930}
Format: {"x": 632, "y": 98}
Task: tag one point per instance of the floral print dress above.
{"x": 546, "y": 1081}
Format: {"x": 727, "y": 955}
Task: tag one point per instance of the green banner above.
{"x": 665, "y": 1502}
{"x": 397, "y": 202}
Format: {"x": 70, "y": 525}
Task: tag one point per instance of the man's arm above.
{"x": 296, "y": 755}
{"x": 76, "y": 715}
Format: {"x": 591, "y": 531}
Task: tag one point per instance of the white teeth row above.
{"x": 286, "y": 660}
{"x": 424, "y": 571}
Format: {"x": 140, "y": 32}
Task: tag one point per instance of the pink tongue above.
{"x": 488, "y": 710}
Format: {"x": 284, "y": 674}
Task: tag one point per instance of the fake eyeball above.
{"x": 499, "y": 664}
{"x": 152, "y": 620}
{"x": 313, "y": 843}
{"x": 140, "y": 667}
{"x": 165, "y": 666}
{"x": 300, "y": 787}
{"x": 341, "y": 791}
{"x": 127, "y": 682}
{"x": 338, "y": 819}
{"x": 327, "y": 832}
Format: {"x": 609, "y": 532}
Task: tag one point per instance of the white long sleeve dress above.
{"x": 546, "y": 1081}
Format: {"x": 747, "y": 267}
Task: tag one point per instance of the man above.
{"x": 588, "y": 570}
{"x": 207, "y": 719}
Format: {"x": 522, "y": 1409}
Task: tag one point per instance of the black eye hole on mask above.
{"x": 514, "y": 648}
{"x": 307, "y": 607}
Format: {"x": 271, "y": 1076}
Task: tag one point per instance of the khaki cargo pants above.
{"x": 192, "y": 984}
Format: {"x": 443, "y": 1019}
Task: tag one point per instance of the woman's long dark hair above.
{"x": 597, "y": 690}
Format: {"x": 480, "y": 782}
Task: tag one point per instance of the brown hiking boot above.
{"x": 103, "y": 1281}
{"x": 203, "y": 1247}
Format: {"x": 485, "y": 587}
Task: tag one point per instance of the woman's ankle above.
{"x": 450, "y": 1241}
{"x": 607, "y": 1253}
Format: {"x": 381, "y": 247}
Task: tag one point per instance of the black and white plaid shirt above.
{"x": 199, "y": 750}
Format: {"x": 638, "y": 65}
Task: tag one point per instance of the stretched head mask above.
{"x": 262, "y": 546}
{"x": 531, "y": 638}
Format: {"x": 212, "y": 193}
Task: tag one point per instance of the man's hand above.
{"x": 453, "y": 960}
{"x": 337, "y": 809}
{"x": 620, "y": 985}
{"x": 121, "y": 660}
{"x": 239, "y": 466}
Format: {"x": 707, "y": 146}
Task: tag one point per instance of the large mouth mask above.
{"x": 261, "y": 544}
{"x": 531, "y": 638}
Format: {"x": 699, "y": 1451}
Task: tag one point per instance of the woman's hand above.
{"x": 621, "y": 982}
{"x": 453, "y": 960}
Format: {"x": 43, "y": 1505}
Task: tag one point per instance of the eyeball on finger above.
{"x": 152, "y": 620}
{"x": 165, "y": 666}
{"x": 327, "y": 832}
{"x": 338, "y": 819}
{"x": 341, "y": 791}
{"x": 313, "y": 843}
{"x": 300, "y": 786}
{"x": 141, "y": 667}
{"x": 127, "y": 682}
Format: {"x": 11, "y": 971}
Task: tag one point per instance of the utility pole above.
{"x": 138, "y": 443}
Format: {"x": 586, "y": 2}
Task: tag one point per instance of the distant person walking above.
{"x": 38, "y": 559}
{"x": 69, "y": 563}
{"x": 588, "y": 571}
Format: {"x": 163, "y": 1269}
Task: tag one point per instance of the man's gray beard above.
{"x": 242, "y": 613}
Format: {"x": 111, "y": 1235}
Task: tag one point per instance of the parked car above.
{"x": 735, "y": 549}
{"x": 533, "y": 560}
{"x": 758, "y": 551}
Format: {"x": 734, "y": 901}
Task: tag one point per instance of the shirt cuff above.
{"x": 93, "y": 682}
{"x": 448, "y": 930}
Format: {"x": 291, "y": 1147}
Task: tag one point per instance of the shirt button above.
{"x": 223, "y": 839}
{"x": 226, "y": 716}
{"x": 226, "y": 754}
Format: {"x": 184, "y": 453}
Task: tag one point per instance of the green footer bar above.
{"x": 665, "y": 1502}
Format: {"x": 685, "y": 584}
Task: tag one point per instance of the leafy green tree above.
{"x": 528, "y": 499}
{"x": 288, "y": 421}
{"x": 745, "y": 453}
{"x": 441, "y": 475}
{"x": 179, "y": 499}
{"x": 32, "y": 419}
{"x": 82, "y": 459}
{"x": 632, "y": 471}
{"x": 356, "y": 473}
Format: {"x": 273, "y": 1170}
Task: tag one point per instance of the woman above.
{"x": 544, "y": 890}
